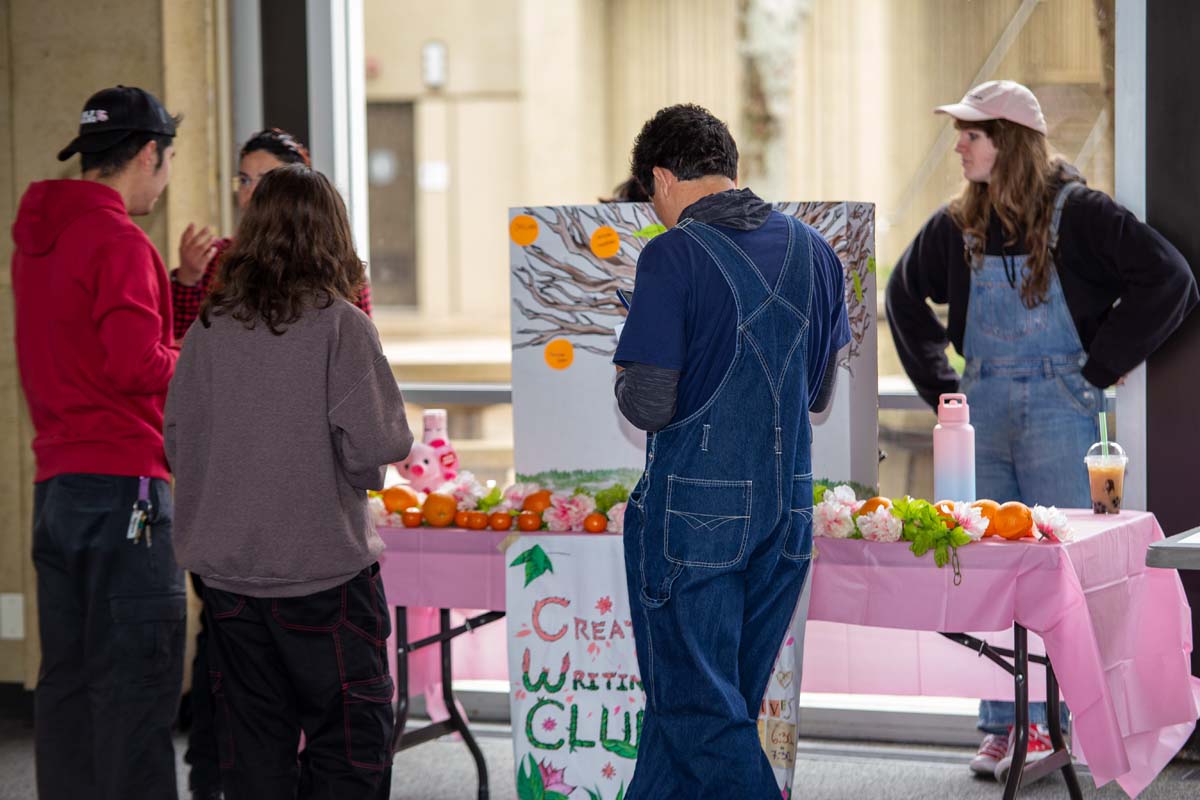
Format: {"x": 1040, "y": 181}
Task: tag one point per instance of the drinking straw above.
{"x": 1103, "y": 433}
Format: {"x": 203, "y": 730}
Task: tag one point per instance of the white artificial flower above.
{"x": 972, "y": 520}
{"x": 842, "y": 495}
{"x": 881, "y": 525}
{"x": 1052, "y": 524}
{"x": 833, "y": 519}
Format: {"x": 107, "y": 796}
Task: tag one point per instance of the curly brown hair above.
{"x": 1021, "y": 191}
{"x": 294, "y": 251}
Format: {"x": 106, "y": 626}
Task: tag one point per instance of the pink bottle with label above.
{"x": 953, "y": 450}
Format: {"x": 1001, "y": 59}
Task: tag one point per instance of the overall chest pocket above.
{"x": 708, "y": 521}
{"x": 997, "y": 311}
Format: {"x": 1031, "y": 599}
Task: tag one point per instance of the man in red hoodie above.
{"x": 95, "y": 351}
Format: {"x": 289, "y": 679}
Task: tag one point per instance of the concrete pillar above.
{"x": 59, "y": 53}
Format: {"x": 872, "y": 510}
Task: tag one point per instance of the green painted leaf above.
{"x": 620, "y": 748}
{"x": 621, "y": 794}
{"x": 650, "y": 231}
{"x": 536, "y": 563}
{"x": 530, "y": 785}
{"x": 593, "y": 795}
{"x": 871, "y": 264}
{"x": 555, "y": 796}
{"x": 858, "y": 290}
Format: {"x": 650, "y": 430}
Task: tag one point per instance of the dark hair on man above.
{"x": 688, "y": 141}
{"x": 627, "y": 191}
{"x": 279, "y": 143}
{"x": 293, "y": 252}
{"x": 111, "y": 161}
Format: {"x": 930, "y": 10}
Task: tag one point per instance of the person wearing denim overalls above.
{"x": 1055, "y": 293}
{"x": 718, "y": 530}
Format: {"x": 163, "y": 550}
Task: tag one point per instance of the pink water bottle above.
{"x": 953, "y": 450}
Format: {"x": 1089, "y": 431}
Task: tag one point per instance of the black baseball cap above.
{"x": 112, "y": 115}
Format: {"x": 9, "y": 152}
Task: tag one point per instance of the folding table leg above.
{"x": 1054, "y": 720}
{"x": 456, "y": 719}
{"x": 400, "y": 628}
{"x": 1020, "y": 745}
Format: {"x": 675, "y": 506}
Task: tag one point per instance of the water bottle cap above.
{"x": 953, "y": 408}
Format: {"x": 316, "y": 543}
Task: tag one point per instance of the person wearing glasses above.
{"x": 200, "y": 248}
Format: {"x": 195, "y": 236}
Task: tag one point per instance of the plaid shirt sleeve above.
{"x": 364, "y": 299}
{"x": 186, "y": 300}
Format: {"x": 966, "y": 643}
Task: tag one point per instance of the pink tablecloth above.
{"x": 1117, "y": 632}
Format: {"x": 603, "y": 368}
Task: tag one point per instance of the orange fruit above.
{"x": 595, "y": 523}
{"x": 411, "y": 517}
{"x": 398, "y": 498}
{"x": 529, "y": 521}
{"x": 1013, "y": 520}
{"x": 476, "y": 520}
{"x": 439, "y": 510}
{"x": 500, "y": 521}
{"x": 873, "y": 504}
{"x": 538, "y": 501}
{"x": 988, "y": 509}
{"x": 460, "y": 519}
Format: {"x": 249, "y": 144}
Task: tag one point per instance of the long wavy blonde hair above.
{"x": 1022, "y": 189}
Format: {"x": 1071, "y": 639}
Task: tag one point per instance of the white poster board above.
{"x": 577, "y": 701}
{"x": 567, "y": 263}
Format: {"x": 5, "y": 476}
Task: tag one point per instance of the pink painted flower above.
{"x": 466, "y": 491}
{"x": 604, "y": 604}
{"x": 549, "y": 724}
{"x": 553, "y": 779}
{"x": 881, "y": 525}
{"x": 616, "y": 518}
{"x": 833, "y": 519}
{"x": 1052, "y": 524}
{"x": 566, "y": 511}
{"x": 972, "y": 520}
{"x": 608, "y": 770}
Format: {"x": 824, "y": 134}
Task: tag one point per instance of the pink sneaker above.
{"x": 991, "y": 750}
{"x": 1039, "y": 747}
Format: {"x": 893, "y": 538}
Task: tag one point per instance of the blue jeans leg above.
{"x": 997, "y": 716}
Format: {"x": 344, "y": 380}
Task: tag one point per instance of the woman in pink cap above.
{"x": 1055, "y": 292}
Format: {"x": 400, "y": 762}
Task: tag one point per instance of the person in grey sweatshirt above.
{"x": 282, "y": 413}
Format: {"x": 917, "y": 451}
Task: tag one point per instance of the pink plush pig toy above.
{"x": 427, "y": 466}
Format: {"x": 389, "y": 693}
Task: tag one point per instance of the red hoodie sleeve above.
{"x": 128, "y": 315}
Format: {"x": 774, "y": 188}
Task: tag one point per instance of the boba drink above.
{"x": 1106, "y": 476}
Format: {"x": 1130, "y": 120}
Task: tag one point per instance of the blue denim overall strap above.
{"x": 718, "y": 538}
{"x": 1034, "y": 414}
{"x": 724, "y": 476}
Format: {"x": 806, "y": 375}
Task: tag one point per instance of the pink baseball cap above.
{"x": 998, "y": 100}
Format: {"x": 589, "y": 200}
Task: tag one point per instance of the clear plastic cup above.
{"x": 1106, "y": 476}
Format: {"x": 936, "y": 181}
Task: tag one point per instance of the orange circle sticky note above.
{"x": 523, "y": 230}
{"x": 559, "y": 354}
{"x": 605, "y": 242}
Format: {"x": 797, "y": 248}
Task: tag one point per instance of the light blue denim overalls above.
{"x": 1035, "y": 415}
{"x": 718, "y": 541}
